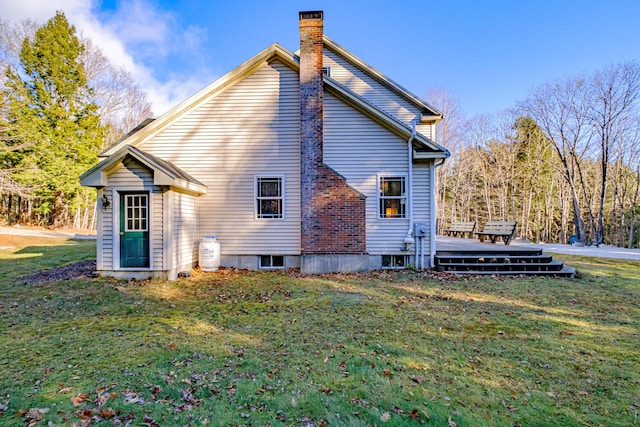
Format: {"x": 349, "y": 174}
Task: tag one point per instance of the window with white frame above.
{"x": 394, "y": 261}
{"x": 393, "y": 197}
{"x": 269, "y": 197}
{"x": 271, "y": 261}
{"x": 136, "y": 212}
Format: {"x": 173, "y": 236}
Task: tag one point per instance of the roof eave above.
{"x": 388, "y": 121}
{"x": 98, "y": 176}
{"x": 428, "y": 155}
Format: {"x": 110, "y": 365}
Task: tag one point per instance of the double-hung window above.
{"x": 393, "y": 197}
{"x": 269, "y": 197}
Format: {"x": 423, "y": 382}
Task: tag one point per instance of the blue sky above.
{"x": 490, "y": 53}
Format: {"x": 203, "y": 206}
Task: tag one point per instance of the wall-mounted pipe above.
{"x": 409, "y": 239}
{"x": 432, "y": 236}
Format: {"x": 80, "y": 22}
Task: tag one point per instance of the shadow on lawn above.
{"x": 532, "y": 351}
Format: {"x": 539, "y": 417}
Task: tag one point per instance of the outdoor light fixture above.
{"x": 105, "y": 202}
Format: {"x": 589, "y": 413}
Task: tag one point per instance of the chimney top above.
{"x": 314, "y": 14}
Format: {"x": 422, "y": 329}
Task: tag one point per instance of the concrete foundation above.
{"x": 321, "y": 264}
{"x": 250, "y": 262}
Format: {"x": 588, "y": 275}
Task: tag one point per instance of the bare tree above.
{"x": 449, "y": 133}
{"x": 122, "y": 104}
{"x": 614, "y": 92}
{"x": 560, "y": 111}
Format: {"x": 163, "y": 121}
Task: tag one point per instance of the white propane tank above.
{"x": 209, "y": 259}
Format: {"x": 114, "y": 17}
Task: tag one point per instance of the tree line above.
{"x": 62, "y": 102}
{"x": 564, "y": 163}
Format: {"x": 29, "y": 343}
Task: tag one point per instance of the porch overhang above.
{"x": 164, "y": 173}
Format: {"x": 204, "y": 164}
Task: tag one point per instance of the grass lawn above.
{"x": 270, "y": 348}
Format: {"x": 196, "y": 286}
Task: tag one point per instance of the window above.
{"x": 394, "y": 261}
{"x": 326, "y": 71}
{"x": 393, "y": 197}
{"x": 271, "y": 261}
{"x": 136, "y": 212}
{"x": 269, "y": 197}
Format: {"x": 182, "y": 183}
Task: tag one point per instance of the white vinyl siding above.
{"x": 157, "y": 226}
{"x": 373, "y": 91}
{"x": 105, "y": 235}
{"x": 250, "y": 128}
{"x": 422, "y": 195}
{"x": 362, "y": 151}
{"x": 130, "y": 174}
{"x": 185, "y": 230}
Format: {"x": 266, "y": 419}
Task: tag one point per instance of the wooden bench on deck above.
{"x": 460, "y": 228}
{"x": 498, "y": 229}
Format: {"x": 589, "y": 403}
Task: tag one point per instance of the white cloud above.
{"x": 138, "y": 35}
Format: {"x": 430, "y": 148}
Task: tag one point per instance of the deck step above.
{"x": 494, "y": 259}
{"x": 502, "y": 261}
{"x": 503, "y": 266}
{"x": 489, "y": 252}
{"x": 567, "y": 271}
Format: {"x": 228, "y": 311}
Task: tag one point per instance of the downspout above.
{"x": 432, "y": 239}
{"x": 408, "y": 240}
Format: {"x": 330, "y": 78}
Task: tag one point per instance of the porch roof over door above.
{"x": 164, "y": 172}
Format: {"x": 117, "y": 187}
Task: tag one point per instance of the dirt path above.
{"x": 42, "y": 232}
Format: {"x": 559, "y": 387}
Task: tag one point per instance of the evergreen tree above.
{"x": 50, "y": 118}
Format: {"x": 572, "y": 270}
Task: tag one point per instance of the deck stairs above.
{"x": 501, "y": 260}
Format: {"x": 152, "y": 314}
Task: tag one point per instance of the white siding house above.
{"x": 227, "y": 162}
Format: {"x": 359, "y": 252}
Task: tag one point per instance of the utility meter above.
{"x": 419, "y": 229}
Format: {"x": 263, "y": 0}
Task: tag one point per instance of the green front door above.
{"x": 134, "y": 230}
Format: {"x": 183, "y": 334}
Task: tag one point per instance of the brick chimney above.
{"x": 333, "y": 214}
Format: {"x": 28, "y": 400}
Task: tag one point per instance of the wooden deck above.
{"x": 470, "y": 256}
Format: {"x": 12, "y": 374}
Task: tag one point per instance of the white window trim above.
{"x": 406, "y": 191}
{"x": 261, "y": 267}
{"x": 255, "y": 196}
{"x": 407, "y": 261}
{"x": 147, "y": 200}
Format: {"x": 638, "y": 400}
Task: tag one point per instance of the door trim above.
{"x": 115, "y": 197}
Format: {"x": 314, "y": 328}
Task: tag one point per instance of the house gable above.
{"x": 153, "y": 127}
{"x": 384, "y": 99}
{"x": 248, "y": 130}
{"x": 378, "y": 89}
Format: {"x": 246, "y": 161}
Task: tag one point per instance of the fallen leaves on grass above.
{"x": 391, "y": 275}
{"x": 33, "y": 415}
{"x": 149, "y": 422}
{"x": 132, "y": 397}
{"x": 79, "y": 399}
